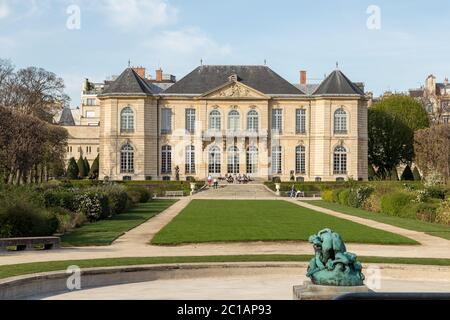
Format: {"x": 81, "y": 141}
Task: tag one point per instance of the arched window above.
{"x": 190, "y": 160}
{"x": 340, "y": 160}
{"x": 276, "y": 160}
{"x": 166, "y": 159}
{"x": 127, "y": 120}
{"x": 252, "y": 121}
{"x": 340, "y": 121}
{"x": 233, "y": 159}
{"x": 214, "y": 160}
{"x": 234, "y": 120}
{"x": 300, "y": 160}
{"x": 215, "y": 120}
{"x": 300, "y": 121}
{"x": 252, "y": 160}
{"x": 127, "y": 159}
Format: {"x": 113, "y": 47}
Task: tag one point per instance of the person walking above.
{"x": 209, "y": 181}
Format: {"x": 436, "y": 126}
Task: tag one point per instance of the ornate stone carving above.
{"x": 235, "y": 90}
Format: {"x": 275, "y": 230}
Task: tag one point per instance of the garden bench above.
{"x": 21, "y": 244}
{"x": 174, "y": 193}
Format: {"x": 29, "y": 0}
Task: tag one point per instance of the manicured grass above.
{"x": 104, "y": 232}
{"x": 433, "y": 229}
{"x": 38, "y": 267}
{"x": 230, "y": 220}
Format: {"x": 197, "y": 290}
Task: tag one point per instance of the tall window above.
{"x": 214, "y": 160}
{"x": 166, "y": 121}
{"x": 300, "y": 160}
{"x": 127, "y": 159}
{"x": 127, "y": 120}
{"x": 340, "y": 121}
{"x": 234, "y": 120}
{"x": 252, "y": 121}
{"x": 190, "y": 120}
{"x": 300, "y": 121}
{"x": 340, "y": 160}
{"x": 277, "y": 119}
{"x": 233, "y": 160}
{"x": 215, "y": 120}
{"x": 252, "y": 160}
{"x": 276, "y": 160}
{"x": 190, "y": 160}
{"x": 166, "y": 159}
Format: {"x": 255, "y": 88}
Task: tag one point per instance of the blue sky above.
{"x": 291, "y": 35}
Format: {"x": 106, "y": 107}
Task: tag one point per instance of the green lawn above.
{"x": 226, "y": 221}
{"x": 104, "y": 232}
{"x": 38, "y": 267}
{"x": 433, "y": 229}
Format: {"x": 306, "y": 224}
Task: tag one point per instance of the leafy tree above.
{"x": 82, "y": 172}
{"x": 407, "y": 174}
{"x": 389, "y": 142}
{"x": 87, "y": 166}
{"x": 72, "y": 169}
{"x": 416, "y": 174}
{"x": 93, "y": 174}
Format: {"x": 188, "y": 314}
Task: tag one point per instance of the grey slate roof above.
{"x": 307, "y": 88}
{"x": 338, "y": 84}
{"x": 66, "y": 118}
{"x": 130, "y": 83}
{"x": 207, "y": 78}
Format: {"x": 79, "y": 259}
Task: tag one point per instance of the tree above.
{"x": 72, "y": 169}
{"x": 407, "y": 174}
{"x": 433, "y": 151}
{"x": 416, "y": 174}
{"x": 93, "y": 174}
{"x": 389, "y": 142}
{"x": 87, "y": 166}
{"x": 82, "y": 172}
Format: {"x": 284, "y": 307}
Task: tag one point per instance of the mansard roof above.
{"x": 206, "y": 78}
{"x": 130, "y": 83}
{"x": 337, "y": 84}
{"x": 66, "y": 118}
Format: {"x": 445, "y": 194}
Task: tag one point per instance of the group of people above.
{"x": 241, "y": 179}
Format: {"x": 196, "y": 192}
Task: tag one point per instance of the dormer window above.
{"x": 233, "y": 77}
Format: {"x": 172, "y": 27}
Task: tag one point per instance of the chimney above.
{"x": 140, "y": 71}
{"x": 159, "y": 75}
{"x": 303, "y": 77}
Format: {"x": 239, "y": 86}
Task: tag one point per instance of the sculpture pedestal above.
{"x": 310, "y": 291}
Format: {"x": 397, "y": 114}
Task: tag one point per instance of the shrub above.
{"x": 358, "y": 196}
{"x": 60, "y": 198}
{"x": 436, "y": 192}
{"x": 82, "y": 170}
{"x": 416, "y": 174}
{"x": 144, "y": 194}
{"x": 93, "y": 173}
{"x": 24, "y": 219}
{"x": 72, "y": 169}
{"x": 373, "y": 203}
{"x": 117, "y": 197}
{"x": 443, "y": 213}
{"x": 421, "y": 211}
{"x": 94, "y": 205}
{"x": 190, "y": 179}
{"x": 393, "y": 203}
{"x": 335, "y": 196}
{"x": 407, "y": 174}
{"x": 134, "y": 196}
{"x": 327, "y": 195}
{"x": 343, "y": 196}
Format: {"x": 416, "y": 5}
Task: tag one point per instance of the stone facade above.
{"x": 171, "y": 121}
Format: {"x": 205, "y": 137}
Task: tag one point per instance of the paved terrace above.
{"x": 135, "y": 243}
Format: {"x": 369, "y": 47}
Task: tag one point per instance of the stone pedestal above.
{"x": 310, "y": 291}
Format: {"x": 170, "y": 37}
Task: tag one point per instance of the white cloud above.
{"x": 140, "y": 13}
{"x": 188, "y": 41}
{"x": 4, "y": 9}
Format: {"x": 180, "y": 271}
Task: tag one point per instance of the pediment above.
{"x": 234, "y": 89}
